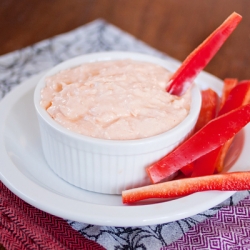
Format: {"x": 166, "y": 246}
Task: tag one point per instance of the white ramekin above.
{"x": 107, "y": 166}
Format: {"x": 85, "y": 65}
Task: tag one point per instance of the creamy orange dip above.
{"x": 120, "y": 100}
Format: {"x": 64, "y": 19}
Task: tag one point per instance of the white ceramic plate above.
{"x": 24, "y": 171}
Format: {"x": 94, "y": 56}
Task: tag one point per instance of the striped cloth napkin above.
{"x": 25, "y": 227}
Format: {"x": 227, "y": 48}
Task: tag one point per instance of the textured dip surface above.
{"x": 120, "y": 100}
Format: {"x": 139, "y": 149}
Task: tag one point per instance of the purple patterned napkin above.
{"x": 222, "y": 227}
{"x": 229, "y": 228}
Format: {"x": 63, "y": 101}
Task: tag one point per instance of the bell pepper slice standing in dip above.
{"x": 211, "y": 136}
{"x": 201, "y": 56}
{"x": 173, "y": 189}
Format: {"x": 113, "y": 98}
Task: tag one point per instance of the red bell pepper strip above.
{"x": 201, "y": 56}
{"x": 207, "y": 113}
{"x": 173, "y": 189}
{"x": 244, "y": 87}
{"x": 242, "y": 91}
{"x": 188, "y": 169}
{"x": 239, "y": 95}
{"x": 210, "y": 101}
{"x": 229, "y": 84}
{"x": 219, "y": 164}
{"x": 211, "y": 136}
{"x": 208, "y": 110}
{"x": 206, "y": 164}
{"x": 214, "y": 161}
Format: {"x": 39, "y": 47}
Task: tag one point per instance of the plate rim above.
{"x": 61, "y": 206}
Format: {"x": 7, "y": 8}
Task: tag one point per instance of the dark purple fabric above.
{"x": 227, "y": 229}
{"x": 25, "y": 227}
